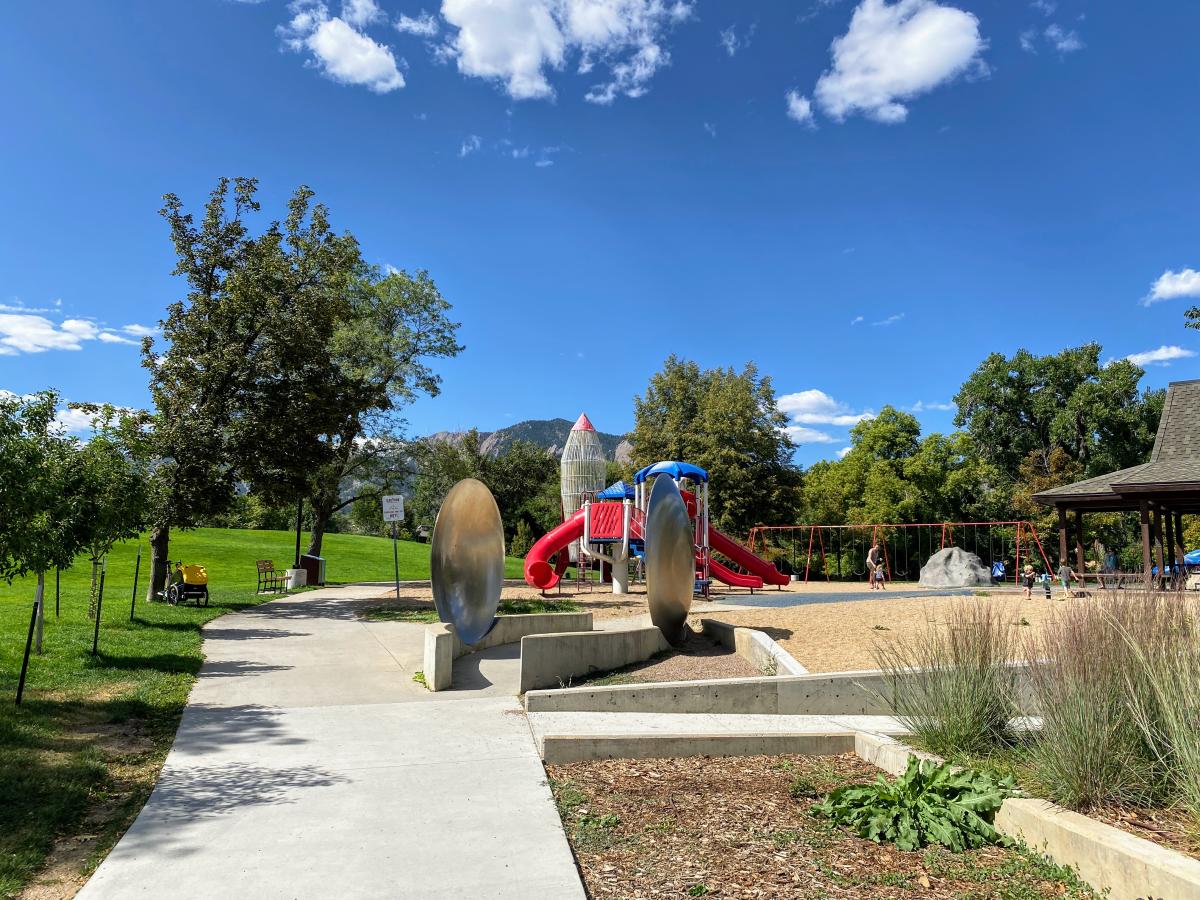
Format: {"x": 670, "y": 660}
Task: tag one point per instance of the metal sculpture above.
{"x": 467, "y": 560}
{"x": 670, "y": 559}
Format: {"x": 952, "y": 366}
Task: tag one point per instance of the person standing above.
{"x": 1066, "y": 575}
{"x": 875, "y": 566}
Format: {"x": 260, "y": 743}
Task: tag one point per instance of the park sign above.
{"x": 393, "y": 508}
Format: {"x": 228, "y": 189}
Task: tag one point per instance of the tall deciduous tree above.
{"x": 380, "y": 354}
{"x": 726, "y": 422}
{"x": 1028, "y": 404}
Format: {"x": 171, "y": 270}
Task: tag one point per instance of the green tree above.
{"x": 41, "y": 488}
{"x": 380, "y": 352}
{"x": 114, "y": 501}
{"x": 1193, "y": 317}
{"x": 726, "y": 422}
{"x": 1028, "y": 404}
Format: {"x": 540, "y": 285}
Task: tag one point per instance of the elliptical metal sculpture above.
{"x": 670, "y": 559}
{"x": 467, "y": 560}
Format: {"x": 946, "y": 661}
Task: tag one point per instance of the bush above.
{"x": 953, "y": 686}
{"x": 929, "y": 803}
{"x": 522, "y": 541}
{"x": 1092, "y": 677}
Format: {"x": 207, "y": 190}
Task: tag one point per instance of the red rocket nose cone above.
{"x": 583, "y": 423}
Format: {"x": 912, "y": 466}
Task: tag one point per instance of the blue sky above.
{"x": 864, "y": 197}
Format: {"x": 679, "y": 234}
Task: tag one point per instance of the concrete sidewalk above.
{"x": 308, "y": 764}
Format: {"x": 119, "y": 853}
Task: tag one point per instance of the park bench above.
{"x": 269, "y": 578}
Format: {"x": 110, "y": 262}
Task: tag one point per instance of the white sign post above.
{"x": 393, "y": 511}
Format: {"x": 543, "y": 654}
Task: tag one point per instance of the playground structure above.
{"x": 608, "y": 529}
{"x": 839, "y": 552}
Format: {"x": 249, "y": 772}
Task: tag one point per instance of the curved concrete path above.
{"x": 308, "y": 764}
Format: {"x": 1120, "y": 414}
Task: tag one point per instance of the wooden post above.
{"x": 1079, "y": 567}
{"x": 1144, "y": 509}
{"x": 1169, "y": 548}
{"x": 1062, "y": 533}
{"x": 1158, "y": 541}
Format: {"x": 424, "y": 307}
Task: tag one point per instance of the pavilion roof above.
{"x": 1174, "y": 465}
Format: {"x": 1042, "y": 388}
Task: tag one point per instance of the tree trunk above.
{"x": 321, "y": 514}
{"x": 160, "y": 537}
{"x": 94, "y": 589}
{"x": 41, "y": 606}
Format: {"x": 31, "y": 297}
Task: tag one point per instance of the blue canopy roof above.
{"x": 676, "y": 470}
{"x": 616, "y": 491}
{"x": 1193, "y": 558}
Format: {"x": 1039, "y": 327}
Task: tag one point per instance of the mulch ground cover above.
{"x": 697, "y": 658}
{"x": 742, "y": 828}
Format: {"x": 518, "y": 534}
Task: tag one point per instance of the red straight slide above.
{"x": 760, "y": 570}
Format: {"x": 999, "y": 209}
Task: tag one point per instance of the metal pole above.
{"x": 41, "y": 613}
{"x": 299, "y": 522}
{"x": 396, "y": 560}
{"x": 99, "y": 607}
{"x": 28, "y": 644}
{"x": 56, "y": 574}
{"x": 137, "y": 568}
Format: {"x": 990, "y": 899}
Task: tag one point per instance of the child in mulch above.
{"x": 1027, "y": 582}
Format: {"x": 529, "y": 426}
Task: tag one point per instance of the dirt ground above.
{"x": 835, "y": 637}
{"x": 598, "y": 600}
{"x": 699, "y": 658}
{"x": 742, "y": 828}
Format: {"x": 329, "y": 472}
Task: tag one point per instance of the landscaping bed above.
{"x": 742, "y": 827}
{"x": 697, "y": 659}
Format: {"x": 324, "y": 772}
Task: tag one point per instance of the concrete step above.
{"x": 563, "y": 737}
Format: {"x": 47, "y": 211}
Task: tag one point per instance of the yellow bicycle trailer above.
{"x": 188, "y": 583}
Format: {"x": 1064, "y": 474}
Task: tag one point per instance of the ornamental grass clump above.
{"x": 952, "y": 685}
{"x": 1098, "y": 676}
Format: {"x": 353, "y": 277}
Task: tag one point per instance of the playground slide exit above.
{"x": 755, "y": 565}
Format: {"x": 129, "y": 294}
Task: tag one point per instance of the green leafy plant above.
{"x": 929, "y": 803}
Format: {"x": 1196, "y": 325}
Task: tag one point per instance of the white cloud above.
{"x": 893, "y": 52}
{"x": 1162, "y": 356}
{"x": 28, "y": 333}
{"x": 339, "y": 50}
{"x": 890, "y": 320}
{"x": 856, "y": 320}
{"x": 841, "y": 454}
{"x": 921, "y": 406}
{"x": 815, "y": 407}
{"x": 73, "y": 421}
{"x": 799, "y": 107}
{"x": 19, "y": 307}
{"x": 802, "y": 435}
{"x": 139, "y": 330}
{"x": 470, "y": 145}
{"x": 1046, "y": 7}
{"x": 515, "y": 42}
{"x": 1062, "y": 40}
{"x": 732, "y": 42}
{"x": 711, "y": 129}
{"x": 424, "y": 25}
{"x": 1172, "y": 285}
{"x": 1029, "y": 40}
{"x": 544, "y": 163}
{"x": 360, "y": 13}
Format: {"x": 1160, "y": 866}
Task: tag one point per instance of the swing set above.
{"x": 839, "y": 552}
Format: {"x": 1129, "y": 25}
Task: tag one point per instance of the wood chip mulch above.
{"x": 1169, "y": 827}
{"x": 741, "y": 828}
{"x": 698, "y": 658}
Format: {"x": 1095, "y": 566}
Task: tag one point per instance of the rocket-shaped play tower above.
{"x": 583, "y": 468}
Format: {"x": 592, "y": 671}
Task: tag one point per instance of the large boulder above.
{"x": 954, "y": 567}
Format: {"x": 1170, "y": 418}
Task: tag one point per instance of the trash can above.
{"x": 314, "y": 566}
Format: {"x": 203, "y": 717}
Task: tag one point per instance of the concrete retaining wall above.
{"x": 442, "y": 645}
{"x": 754, "y": 646}
{"x": 555, "y": 659}
{"x": 582, "y": 748}
{"x": 835, "y": 693}
{"x": 1109, "y": 859}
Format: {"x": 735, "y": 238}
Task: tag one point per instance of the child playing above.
{"x": 1027, "y": 580}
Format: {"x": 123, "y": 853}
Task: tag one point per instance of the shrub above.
{"x": 953, "y": 686}
{"x": 929, "y": 803}
{"x": 522, "y": 541}
{"x": 1092, "y": 691}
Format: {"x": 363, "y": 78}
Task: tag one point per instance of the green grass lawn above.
{"x": 81, "y": 754}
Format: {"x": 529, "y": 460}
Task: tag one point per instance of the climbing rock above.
{"x": 954, "y": 567}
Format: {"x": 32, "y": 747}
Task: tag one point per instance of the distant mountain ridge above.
{"x": 550, "y": 434}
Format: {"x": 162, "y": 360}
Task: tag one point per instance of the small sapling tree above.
{"x": 41, "y": 483}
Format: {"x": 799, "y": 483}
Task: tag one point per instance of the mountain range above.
{"x": 550, "y": 434}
